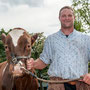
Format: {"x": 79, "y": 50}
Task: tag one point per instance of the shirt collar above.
{"x": 70, "y": 35}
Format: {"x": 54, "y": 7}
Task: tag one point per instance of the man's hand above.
{"x": 30, "y": 64}
{"x": 35, "y": 64}
{"x": 86, "y": 78}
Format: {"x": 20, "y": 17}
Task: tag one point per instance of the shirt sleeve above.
{"x": 46, "y": 55}
{"x": 88, "y": 40}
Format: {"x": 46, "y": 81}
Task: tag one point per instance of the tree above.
{"x": 38, "y": 46}
{"x": 2, "y": 50}
{"x": 82, "y": 13}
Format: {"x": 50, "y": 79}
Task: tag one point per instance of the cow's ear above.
{"x": 33, "y": 38}
{"x": 3, "y": 37}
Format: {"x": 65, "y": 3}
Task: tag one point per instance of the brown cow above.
{"x": 18, "y": 45}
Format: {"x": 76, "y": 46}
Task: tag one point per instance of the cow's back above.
{"x": 2, "y": 68}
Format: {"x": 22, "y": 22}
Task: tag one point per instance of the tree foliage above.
{"x": 38, "y": 46}
{"x": 36, "y": 51}
{"x": 2, "y": 50}
{"x": 82, "y": 13}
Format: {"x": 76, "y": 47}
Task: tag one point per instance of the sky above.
{"x": 35, "y": 16}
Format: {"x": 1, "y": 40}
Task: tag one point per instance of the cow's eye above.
{"x": 6, "y": 46}
{"x": 28, "y": 46}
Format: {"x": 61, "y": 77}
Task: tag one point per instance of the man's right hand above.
{"x": 30, "y": 63}
{"x": 35, "y": 64}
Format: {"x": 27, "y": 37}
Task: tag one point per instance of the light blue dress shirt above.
{"x": 68, "y": 56}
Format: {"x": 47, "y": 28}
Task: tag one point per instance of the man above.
{"x": 68, "y": 52}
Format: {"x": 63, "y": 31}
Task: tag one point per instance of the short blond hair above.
{"x": 65, "y": 7}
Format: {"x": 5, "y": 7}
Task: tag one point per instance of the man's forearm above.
{"x": 39, "y": 64}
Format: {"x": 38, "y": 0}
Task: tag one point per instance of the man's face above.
{"x": 67, "y": 18}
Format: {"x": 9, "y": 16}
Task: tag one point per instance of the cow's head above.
{"x": 18, "y": 45}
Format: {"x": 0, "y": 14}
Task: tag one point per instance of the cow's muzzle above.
{"x": 18, "y": 62}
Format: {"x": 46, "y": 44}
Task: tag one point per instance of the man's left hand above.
{"x": 86, "y": 78}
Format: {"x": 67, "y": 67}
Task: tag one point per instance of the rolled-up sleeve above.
{"x": 88, "y": 41}
{"x": 46, "y": 55}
